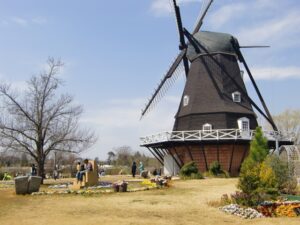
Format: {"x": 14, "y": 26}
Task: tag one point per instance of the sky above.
{"x": 116, "y": 52}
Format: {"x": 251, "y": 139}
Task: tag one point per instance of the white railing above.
{"x": 203, "y": 135}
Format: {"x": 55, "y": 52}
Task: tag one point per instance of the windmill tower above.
{"x": 215, "y": 120}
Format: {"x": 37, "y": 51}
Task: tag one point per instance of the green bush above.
{"x": 215, "y": 170}
{"x": 190, "y": 171}
{"x": 257, "y": 179}
{"x": 196, "y": 176}
{"x": 1, "y": 175}
{"x": 283, "y": 171}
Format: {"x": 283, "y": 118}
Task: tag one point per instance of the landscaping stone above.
{"x": 246, "y": 213}
{"x": 120, "y": 186}
{"x": 21, "y": 185}
{"x": 144, "y": 174}
{"x": 27, "y": 185}
{"x": 58, "y": 186}
{"x": 34, "y": 183}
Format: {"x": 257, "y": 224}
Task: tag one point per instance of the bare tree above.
{"x": 111, "y": 157}
{"x": 289, "y": 122}
{"x": 123, "y": 155}
{"x": 38, "y": 121}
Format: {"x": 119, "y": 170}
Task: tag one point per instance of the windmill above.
{"x": 215, "y": 119}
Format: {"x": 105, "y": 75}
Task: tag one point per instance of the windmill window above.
{"x": 236, "y": 96}
{"x": 207, "y": 127}
{"x": 243, "y": 124}
{"x": 242, "y": 74}
{"x": 186, "y": 99}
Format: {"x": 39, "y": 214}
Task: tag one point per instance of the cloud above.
{"x": 20, "y": 21}
{"x": 4, "y": 22}
{"x": 39, "y": 20}
{"x": 226, "y": 13}
{"x": 23, "y": 22}
{"x": 165, "y": 7}
{"x": 280, "y": 30}
{"x": 117, "y": 123}
{"x": 275, "y": 73}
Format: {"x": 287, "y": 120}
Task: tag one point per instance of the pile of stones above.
{"x": 245, "y": 213}
{"x": 58, "y": 186}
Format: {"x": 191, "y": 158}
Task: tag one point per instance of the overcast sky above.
{"x": 116, "y": 51}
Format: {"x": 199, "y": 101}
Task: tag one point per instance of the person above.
{"x": 154, "y": 172}
{"x": 133, "y": 169}
{"x": 55, "y": 174}
{"x": 141, "y": 167}
{"x": 86, "y": 167}
{"x": 33, "y": 170}
{"x": 78, "y": 171}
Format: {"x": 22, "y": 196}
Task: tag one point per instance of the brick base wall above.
{"x": 230, "y": 156}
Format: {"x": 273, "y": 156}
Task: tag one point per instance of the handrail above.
{"x": 216, "y": 134}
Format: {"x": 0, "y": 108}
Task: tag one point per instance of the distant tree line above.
{"x": 124, "y": 156}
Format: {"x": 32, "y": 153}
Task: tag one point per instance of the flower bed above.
{"x": 271, "y": 209}
{"x": 106, "y": 187}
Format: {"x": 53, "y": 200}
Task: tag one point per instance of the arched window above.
{"x": 244, "y": 124}
{"x": 207, "y": 127}
{"x": 236, "y": 96}
{"x": 186, "y": 99}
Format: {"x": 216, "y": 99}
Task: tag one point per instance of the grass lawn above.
{"x": 184, "y": 203}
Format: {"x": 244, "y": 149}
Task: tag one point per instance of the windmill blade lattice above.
{"x": 165, "y": 84}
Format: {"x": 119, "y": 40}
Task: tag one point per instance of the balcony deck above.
{"x": 217, "y": 134}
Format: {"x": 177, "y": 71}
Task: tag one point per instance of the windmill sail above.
{"x": 201, "y": 16}
{"x": 166, "y": 82}
{"x": 181, "y": 36}
{"x": 242, "y": 59}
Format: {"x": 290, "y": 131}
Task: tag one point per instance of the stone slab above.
{"x": 34, "y": 184}
{"x": 21, "y": 185}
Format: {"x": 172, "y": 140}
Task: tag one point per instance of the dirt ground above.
{"x": 186, "y": 202}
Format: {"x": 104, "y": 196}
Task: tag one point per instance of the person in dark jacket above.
{"x": 33, "y": 170}
{"x": 133, "y": 169}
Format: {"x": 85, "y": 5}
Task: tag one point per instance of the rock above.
{"x": 144, "y": 174}
{"x": 57, "y": 186}
{"x": 21, "y": 185}
{"x": 246, "y": 213}
{"x": 34, "y": 183}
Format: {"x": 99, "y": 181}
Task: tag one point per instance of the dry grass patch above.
{"x": 186, "y": 202}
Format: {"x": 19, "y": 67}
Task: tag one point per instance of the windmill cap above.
{"x": 213, "y": 42}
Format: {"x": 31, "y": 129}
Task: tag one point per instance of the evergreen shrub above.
{"x": 257, "y": 178}
{"x": 215, "y": 170}
{"x": 190, "y": 171}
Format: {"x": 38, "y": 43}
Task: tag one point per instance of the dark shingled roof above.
{"x": 210, "y": 92}
{"x": 214, "y": 42}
